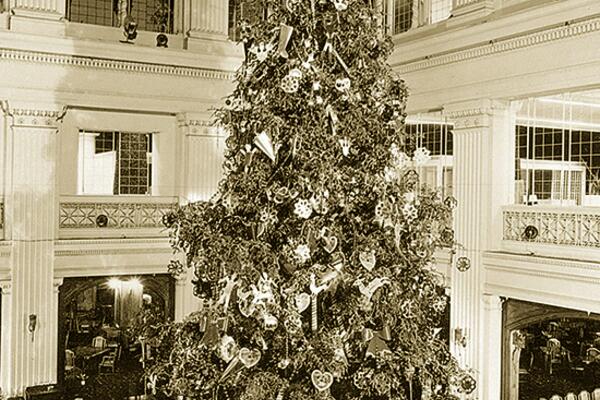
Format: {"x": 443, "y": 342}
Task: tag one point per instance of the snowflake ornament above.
{"x": 303, "y": 209}
{"x": 302, "y": 253}
{"x": 422, "y": 155}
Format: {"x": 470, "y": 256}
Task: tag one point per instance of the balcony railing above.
{"x": 553, "y": 225}
{"x": 113, "y": 216}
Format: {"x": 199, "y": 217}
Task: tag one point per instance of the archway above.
{"x": 107, "y": 307}
{"x": 548, "y": 350}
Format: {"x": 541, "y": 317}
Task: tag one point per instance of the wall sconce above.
{"x": 460, "y": 337}
{"x": 32, "y": 324}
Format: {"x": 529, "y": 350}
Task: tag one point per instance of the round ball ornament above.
{"x": 468, "y": 384}
{"x": 450, "y": 202}
{"x": 290, "y": 84}
{"x": 463, "y": 264}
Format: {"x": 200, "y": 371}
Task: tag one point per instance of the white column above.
{"x": 201, "y": 173}
{"x": 471, "y": 8}
{"x": 491, "y": 342}
{"x": 483, "y": 155}
{"x": 31, "y": 216}
{"x": 7, "y": 350}
{"x": 209, "y": 19}
{"x": 185, "y": 301}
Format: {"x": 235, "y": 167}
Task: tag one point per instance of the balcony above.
{"x": 113, "y": 216}
{"x": 558, "y": 231}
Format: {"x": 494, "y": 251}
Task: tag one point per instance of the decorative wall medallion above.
{"x": 530, "y": 232}
{"x": 101, "y": 221}
{"x": 463, "y": 264}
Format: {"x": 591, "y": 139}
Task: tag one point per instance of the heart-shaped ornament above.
{"x": 249, "y": 357}
{"x": 367, "y": 259}
{"x": 302, "y": 301}
{"x": 247, "y": 307}
{"x": 331, "y": 243}
{"x": 321, "y": 380}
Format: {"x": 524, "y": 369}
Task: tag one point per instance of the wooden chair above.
{"x": 69, "y": 360}
{"x": 596, "y": 394}
{"x": 554, "y": 350}
{"x": 592, "y": 354}
{"x": 584, "y": 395}
{"x": 556, "y": 397}
{"x": 571, "y": 396}
{"x": 108, "y": 361}
{"x": 99, "y": 342}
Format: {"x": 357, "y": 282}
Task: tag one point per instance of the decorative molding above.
{"x": 6, "y": 287}
{"x": 39, "y": 57}
{"x": 99, "y": 252}
{"x": 112, "y": 242}
{"x": 567, "y": 226}
{"x": 120, "y": 215}
{"x": 502, "y": 45}
{"x": 503, "y": 258}
{"x": 56, "y": 284}
{"x": 35, "y": 118}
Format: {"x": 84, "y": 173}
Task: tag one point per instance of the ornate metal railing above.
{"x": 113, "y": 212}
{"x": 571, "y": 226}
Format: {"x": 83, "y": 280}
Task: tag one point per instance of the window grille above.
{"x": 435, "y": 134}
{"x": 440, "y": 10}
{"x": 558, "y": 150}
{"x": 403, "y": 14}
{"x": 115, "y": 163}
{"x": 150, "y": 15}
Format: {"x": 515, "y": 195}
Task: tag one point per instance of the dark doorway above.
{"x": 548, "y": 351}
{"x": 100, "y": 353}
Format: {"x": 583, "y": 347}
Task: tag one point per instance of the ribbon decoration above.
{"x": 248, "y": 153}
{"x": 377, "y": 341}
{"x": 328, "y": 48}
{"x": 225, "y": 296}
{"x": 315, "y": 290}
{"x": 370, "y": 289}
{"x": 333, "y": 118}
{"x": 152, "y": 384}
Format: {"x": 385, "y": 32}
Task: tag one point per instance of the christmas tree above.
{"x": 315, "y": 258}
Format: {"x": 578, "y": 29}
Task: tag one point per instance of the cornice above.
{"x": 23, "y": 117}
{"x": 37, "y": 57}
{"x": 502, "y": 45}
{"x": 95, "y": 242}
{"x": 501, "y": 259}
{"x": 99, "y": 252}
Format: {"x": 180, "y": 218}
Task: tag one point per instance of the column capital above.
{"x": 28, "y": 115}
{"x": 474, "y": 113}
{"x": 56, "y": 284}
{"x": 193, "y": 124}
{"x": 470, "y": 9}
{"x": 6, "y": 287}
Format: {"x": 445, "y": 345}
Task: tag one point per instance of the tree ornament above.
{"x": 340, "y": 5}
{"x": 342, "y": 85}
{"x": 330, "y": 243}
{"x": 345, "y": 143}
{"x": 321, "y": 380}
{"x": 303, "y": 208}
{"x": 463, "y": 264}
{"x": 421, "y": 156}
{"x": 315, "y": 290}
{"x": 249, "y": 357}
{"x": 285, "y": 34}
{"x": 302, "y": 253}
{"x": 261, "y": 51}
{"x": 290, "y": 84}
{"x": 264, "y": 142}
{"x": 291, "y": 5}
{"x": 369, "y": 290}
{"x": 376, "y": 341}
{"x": 367, "y": 259}
{"x": 468, "y": 384}
{"x": 450, "y": 202}
{"x": 302, "y": 301}
{"x": 228, "y": 348}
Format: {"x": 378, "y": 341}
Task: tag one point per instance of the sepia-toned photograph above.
{"x": 299, "y": 199}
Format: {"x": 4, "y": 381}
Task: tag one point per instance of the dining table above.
{"x": 88, "y": 357}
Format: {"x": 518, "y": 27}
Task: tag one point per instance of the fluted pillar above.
{"x": 6, "y": 349}
{"x": 471, "y": 8}
{"x": 201, "y": 173}
{"x": 31, "y": 216}
{"x": 208, "y": 19}
{"x": 38, "y": 17}
{"x": 483, "y": 169}
{"x": 492, "y": 353}
{"x": 185, "y": 301}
